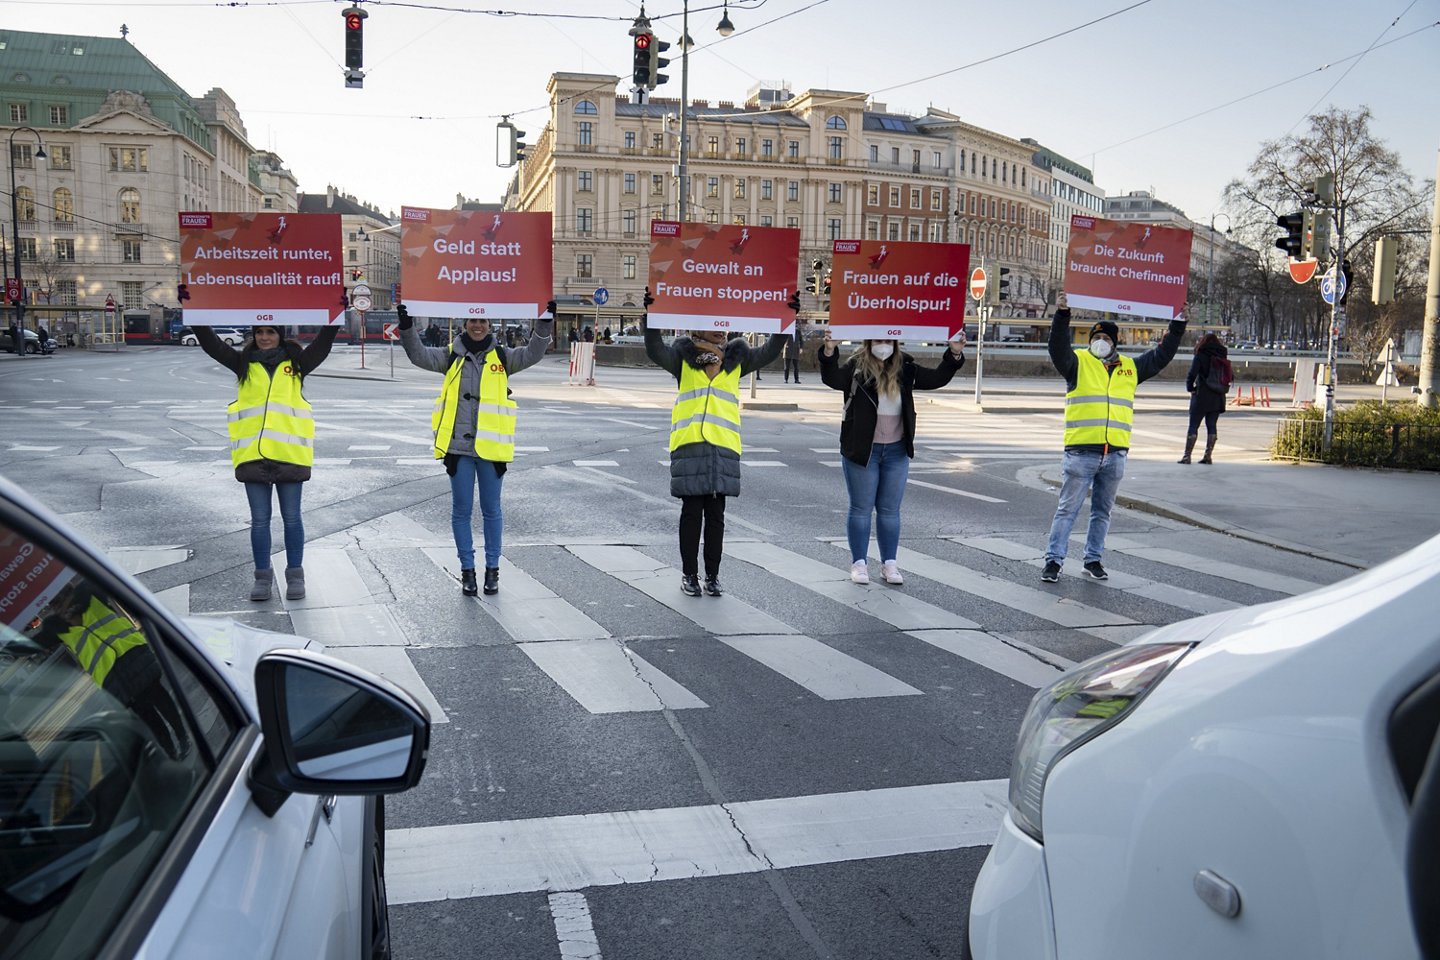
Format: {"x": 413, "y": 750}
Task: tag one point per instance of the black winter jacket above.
{"x": 857, "y": 429}
{"x": 1202, "y": 398}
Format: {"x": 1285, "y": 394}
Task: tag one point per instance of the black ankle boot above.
{"x": 467, "y": 583}
{"x": 492, "y": 580}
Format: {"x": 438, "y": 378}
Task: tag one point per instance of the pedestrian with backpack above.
{"x": 1208, "y": 382}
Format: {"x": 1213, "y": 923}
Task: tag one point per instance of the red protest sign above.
{"x": 1136, "y": 268}
{"x": 707, "y": 277}
{"x": 475, "y": 263}
{"x": 898, "y": 290}
{"x": 29, "y": 579}
{"x": 243, "y": 269}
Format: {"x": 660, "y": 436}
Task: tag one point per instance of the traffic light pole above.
{"x": 1337, "y": 320}
{"x": 984, "y": 314}
{"x": 684, "y": 167}
{"x": 1430, "y": 335}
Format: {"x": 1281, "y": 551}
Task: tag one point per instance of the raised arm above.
{"x": 436, "y": 359}
{"x": 1152, "y": 361}
{"x": 765, "y": 354}
{"x": 541, "y": 333}
{"x": 317, "y": 350}
{"x": 933, "y": 378}
{"x": 1062, "y": 353}
{"x": 220, "y": 351}
{"x": 663, "y": 355}
{"x": 832, "y": 373}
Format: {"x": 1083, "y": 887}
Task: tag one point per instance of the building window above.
{"x": 792, "y": 149}
{"x": 872, "y": 229}
{"x": 712, "y": 187}
{"x": 935, "y": 231}
{"x": 584, "y": 265}
{"x": 767, "y": 221}
{"x": 129, "y": 159}
{"x": 712, "y": 216}
{"x": 792, "y": 222}
{"x": 584, "y": 219}
{"x": 837, "y": 148}
{"x": 874, "y": 153}
{"x": 832, "y": 228}
{"x": 60, "y": 116}
{"x": 914, "y": 231}
{"x": 739, "y": 220}
{"x": 65, "y": 251}
{"x": 60, "y": 157}
{"x": 657, "y": 185}
{"x": 935, "y": 159}
{"x": 67, "y": 293}
{"x": 833, "y": 193}
{"x": 19, "y": 113}
{"x": 657, "y": 141}
{"x": 894, "y": 196}
{"x": 914, "y": 198}
{"x": 712, "y": 146}
{"x": 767, "y": 148}
{"x": 894, "y": 231}
{"x": 353, "y": 255}
{"x": 587, "y": 133}
{"x": 872, "y": 194}
{"x": 130, "y": 294}
{"x": 628, "y": 219}
{"x": 627, "y": 267}
{"x": 64, "y": 203}
{"x": 740, "y": 148}
{"x": 629, "y": 139}
{"x": 629, "y": 183}
{"x": 586, "y": 181}
{"x": 895, "y": 155}
{"x": 25, "y": 203}
{"x": 130, "y": 251}
{"x": 792, "y": 190}
{"x": 129, "y": 205}
{"x": 586, "y": 107}
{"x": 22, "y": 156}
{"x": 934, "y": 199}
{"x": 835, "y": 122}
{"x": 767, "y": 189}
{"x": 739, "y": 188}
{"x": 1022, "y": 178}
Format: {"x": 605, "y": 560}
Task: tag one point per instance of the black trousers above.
{"x": 792, "y": 363}
{"x": 709, "y": 508}
{"x": 1210, "y": 417}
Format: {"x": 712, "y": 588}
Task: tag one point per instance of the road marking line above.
{"x": 958, "y": 493}
{"x": 604, "y": 676}
{"x": 394, "y": 664}
{"x": 573, "y": 927}
{"x": 595, "y": 463}
{"x": 1223, "y": 569}
{"x": 821, "y": 669}
{"x": 525, "y": 608}
{"x": 569, "y": 853}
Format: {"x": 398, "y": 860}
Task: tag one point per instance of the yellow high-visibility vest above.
{"x": 102, "y": 637}
{"x": 707, "y": 410}
{"x": 270, "y": 418}
{"x": 494, "y": 414}
{"x": 1101, "y": 408}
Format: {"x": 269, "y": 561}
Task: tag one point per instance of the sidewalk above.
{"x": 1355, "y": 517}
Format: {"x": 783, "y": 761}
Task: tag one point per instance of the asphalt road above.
{"x": 805, "y": 767}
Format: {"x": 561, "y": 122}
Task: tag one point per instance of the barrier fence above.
{"x": 1410, "y": 446}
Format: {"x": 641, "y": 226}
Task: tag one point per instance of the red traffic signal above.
{"x": 640, "y": 73}
{"x": 353, "y": 21}
{"x": 642, "y": 41}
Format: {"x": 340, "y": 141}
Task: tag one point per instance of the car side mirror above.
{"x": 332, "y": 728}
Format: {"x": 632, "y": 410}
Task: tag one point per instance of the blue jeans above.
{"x": 1096, "y": 473}
{"x": 468, "y": 472}
{"x": 879, "y": 486}
{"x": 289, "y": 496}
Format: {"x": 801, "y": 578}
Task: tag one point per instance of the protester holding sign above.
{"x": 705, "y": 434}
{"x": 1208, "y": 382}
{"x": 1099, "y": 408}
{"x": 877, "y": 438}
{"x": 474, "y": 426}
{"x": 272, "y": 439}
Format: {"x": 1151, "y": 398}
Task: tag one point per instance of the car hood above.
{"x": 234, "y": 649}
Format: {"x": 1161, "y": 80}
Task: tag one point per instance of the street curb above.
{"x": 353, "y": 376}
{"x": 766, "y": 405}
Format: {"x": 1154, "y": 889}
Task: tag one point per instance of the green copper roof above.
{"x": 44, "y": 70}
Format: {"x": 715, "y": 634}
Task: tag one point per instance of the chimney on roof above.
{"x": 329, "y": 196}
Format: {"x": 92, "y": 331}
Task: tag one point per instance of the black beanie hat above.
{"x": 1107, "y": 327}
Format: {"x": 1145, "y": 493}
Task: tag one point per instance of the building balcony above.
{"x": 584, "y": 148}
{"x": 129, "y": 229}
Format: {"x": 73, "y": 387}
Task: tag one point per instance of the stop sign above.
{"x": 977, "y": 283}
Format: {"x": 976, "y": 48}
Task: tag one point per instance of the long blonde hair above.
{"x": 885, "y": 376}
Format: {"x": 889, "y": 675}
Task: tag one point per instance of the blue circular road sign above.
{"x": 1327, "y": 285}
{"x": 602, "y": 296}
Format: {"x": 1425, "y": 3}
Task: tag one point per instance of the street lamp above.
{"x": 1210, "y": 273}
{"x": 725, "y": 28}
{"x": 19, "y": 343}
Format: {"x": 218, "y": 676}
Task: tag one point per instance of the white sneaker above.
{"x": 860, "y": 572}
{"x": 891, "y": 569}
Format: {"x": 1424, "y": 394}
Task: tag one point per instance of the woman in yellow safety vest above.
{"x": 474, "y": 427}
{"x": 705, "y": 435}
{"x": 272, "y": 439}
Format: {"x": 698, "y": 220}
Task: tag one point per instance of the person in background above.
{"x": 705, "y": 435}
{"x": 877, "y": 438}
{"x": 589, "y": 335}
{"x": 1208, "y": 382}
{"x": 1099, "y": 409}
{"x": 272, "y": 439}
{"x": 792, "y": 355}
{"x": 474, "y": 427}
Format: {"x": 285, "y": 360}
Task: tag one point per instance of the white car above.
{"x": 1260, "y": 783}
{"x": 176, "y": 789}
{"x": 233, "y": 336}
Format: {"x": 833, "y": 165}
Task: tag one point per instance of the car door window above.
{"x": 101, "y": 754}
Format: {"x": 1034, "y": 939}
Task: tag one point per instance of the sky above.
{"x": 1161, "y": 95}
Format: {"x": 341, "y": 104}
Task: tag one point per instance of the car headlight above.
{"x": 1088, "y": 700}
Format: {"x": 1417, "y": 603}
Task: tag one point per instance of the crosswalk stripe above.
{"x": 1166, "y": 593}
{"x": 604, "y": 676}
{"x": 331, "y": 579}
{"x": 525, "y": 608}
{"x": 1020, "y": 662}
{"x": 958, "y": 493}
{"x": 886, "y": 605}
{"x": 567, "y": 853}
{"x": 595, "y": 463}
{"x": 1223, "y": 569}
{"x": 393, "y": 663}
{"x": 356, "y": 625}
{"x": 821, "y": 669}
{"x": 574, "y": 930}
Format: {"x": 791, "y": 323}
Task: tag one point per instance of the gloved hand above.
{"x": 794, "y": 302}
{"x": 451, "y": 462}
{"x": 550, "y": 308}
{"x": 648, "y": 298}
{"x": 405, "y": 322}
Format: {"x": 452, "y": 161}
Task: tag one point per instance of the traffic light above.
{"x": 641, "y": 75}
{"x": 812, "y": 285}
{"x": 509, "y": 144}
{"x": 1003, "y": 285}
{"x": 1307, "y": 235}
{"x": 357, "y": 274}
{"x": 1324, "y": 190}
{"x": 827, "y": 283}
{"x": 1320, "y": 236}
{"x": 1382, "y": 289}
{"x": 354, "y": 45}
{"x": 1293, "y": 243}
{"x": 657, "y": 47}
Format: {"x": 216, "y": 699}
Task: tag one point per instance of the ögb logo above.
{"x": 496, "y": 368}
{"x": 288, "y": 370}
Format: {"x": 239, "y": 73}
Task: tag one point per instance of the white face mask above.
{"x": 882, "y": 351}
{"x": 1100, "y": 349}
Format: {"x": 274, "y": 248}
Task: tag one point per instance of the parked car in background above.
{"x": 33, "y": 345}
{"x": 1263, "y": 782}
{"x": 234, "y": 336}
{"x": 178, "y": 789}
